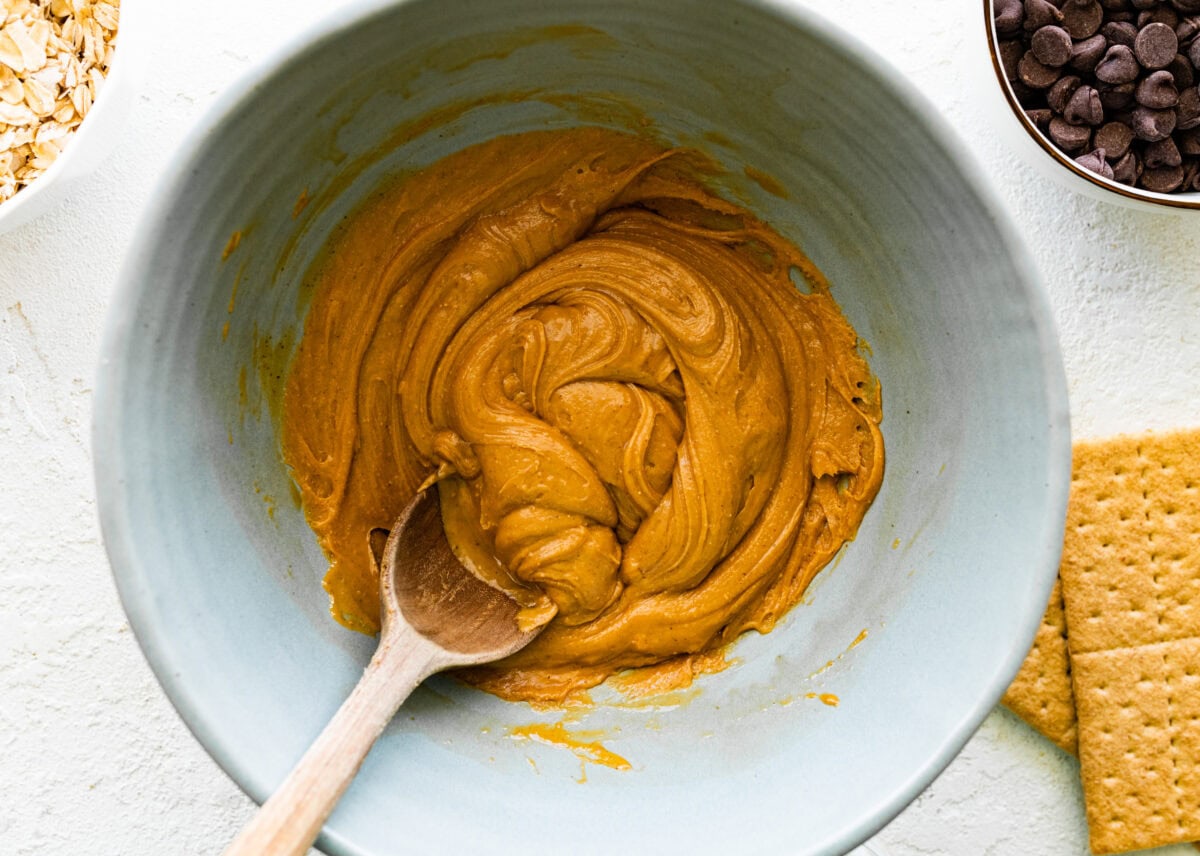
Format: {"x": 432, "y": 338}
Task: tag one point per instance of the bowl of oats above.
{"x": 64, "y": 91}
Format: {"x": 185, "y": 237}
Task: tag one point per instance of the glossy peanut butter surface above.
{"x": 639, "y": 426}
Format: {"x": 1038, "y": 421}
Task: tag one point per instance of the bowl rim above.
{"x": 1187, "y": 201}
{"x": 137, "y": 598}
{"x": 124, "y": 69}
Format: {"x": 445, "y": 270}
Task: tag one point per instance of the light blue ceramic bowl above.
{"x": 220, "y": 575}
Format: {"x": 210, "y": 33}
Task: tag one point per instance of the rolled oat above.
{"x": 54, "y": 55}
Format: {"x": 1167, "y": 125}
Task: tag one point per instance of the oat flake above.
{"x": 54, "y": 55}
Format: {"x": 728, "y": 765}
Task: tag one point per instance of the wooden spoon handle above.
{"x": 289, "y": 822}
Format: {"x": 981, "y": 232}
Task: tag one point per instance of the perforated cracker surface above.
{"x": 1139, "y": 747}
{"x": 1131, "y": 560}
{"x": 1131, "y": 589}
{"x": 1041, "y": 692}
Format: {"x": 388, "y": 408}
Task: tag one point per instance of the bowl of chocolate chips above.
{"x": 1105, "y": 93}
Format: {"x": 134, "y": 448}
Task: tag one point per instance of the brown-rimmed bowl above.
{"x": 1040, "y": 151}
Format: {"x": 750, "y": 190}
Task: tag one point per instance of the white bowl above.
{"x": 96, "y": 135}
{"x": 220, "y": 574}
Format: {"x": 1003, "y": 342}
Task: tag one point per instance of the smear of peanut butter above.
{"x": 584, "y": 745}
{"x": 639, "y": 427}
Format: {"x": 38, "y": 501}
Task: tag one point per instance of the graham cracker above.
{"x": 1139, "y": 746}
{"x": 1041, "y": 693}
{"x": 1131, "y": 593}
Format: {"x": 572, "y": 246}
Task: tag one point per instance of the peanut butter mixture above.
{"x": 638, "y": 425}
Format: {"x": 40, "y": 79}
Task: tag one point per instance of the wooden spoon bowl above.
{"x": 436, "y": 615}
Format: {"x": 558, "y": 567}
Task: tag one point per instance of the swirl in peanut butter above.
{"x": 639, "y": 426}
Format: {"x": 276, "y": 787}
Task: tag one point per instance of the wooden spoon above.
{"x": 436, "y": 615}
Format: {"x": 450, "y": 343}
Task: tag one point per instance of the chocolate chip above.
{"x": 1010, "y": 55}
{"x": 1041, "y": 118}
{"x": 1157, "y": 91}
{"x": 1156, "y": 45}
{"x": 1082, "y": 18}
{"x": 1187, "y": 111}
{"x": 1187, "y": 7}
{"x": 1127, "y": 170}
{"x": 1159, "y": 15}
{"x": 1194, "y": 53}
{"x": 1118, "y": 66}
{"x": 1119, "y": 97}
{"x": 1187, "y": 29}
{"x": 1143, "y": 4}
{"x": 1162, "y": 153}
{"x": 1095, "y": 161}
{"x": 1165, "y": 179}
{"x": 1119, "y": 33}
{"x": 1068, "y": 137}
{"x": 1086, "y": 54}
{"x": 1027, "y": 97}
{"x": 1039, "y": 13}
{"x": 1189, "y": 141}
{"x": 1009, "y": 15}
{"x": 1181, "y": 69}
{"x": 1123, "y": 17}
{"x": 1084, "y": 108}
{"x": 1114, "y": 138}
{"x": 1060, "y": 93}
{"x": 1035, "y": 74}
{"x": 1191, "y": 176}
{"x": 1052, "y": 46}
{"x": 1152, "y": 125}
{"x": 1114, "y": 5}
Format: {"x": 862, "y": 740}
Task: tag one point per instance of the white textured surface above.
{"x": 92, "y": 757}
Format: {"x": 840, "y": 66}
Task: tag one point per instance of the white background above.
{"x": 93, "y": 759}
